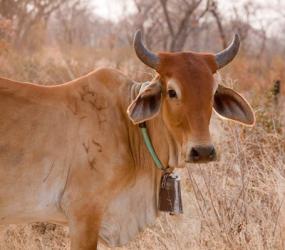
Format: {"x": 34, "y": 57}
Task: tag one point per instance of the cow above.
{"x": 73, "y": 154}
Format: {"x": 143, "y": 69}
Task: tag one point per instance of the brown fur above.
{"x": 194, "y": 74}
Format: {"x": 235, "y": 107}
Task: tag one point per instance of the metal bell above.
{"x": 170, "y": 194}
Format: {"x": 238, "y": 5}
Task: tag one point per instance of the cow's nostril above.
{"x": 212, "y": 155}
{"x": 194, "y": 154}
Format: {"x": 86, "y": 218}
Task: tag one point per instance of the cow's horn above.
{"x": 146, "y": 56}
{"x": 228, "y": 54}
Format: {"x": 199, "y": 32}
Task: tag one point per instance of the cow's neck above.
{"x": 135, "y": 206}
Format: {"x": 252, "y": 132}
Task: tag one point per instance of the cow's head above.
{"x": 185, "y": 92}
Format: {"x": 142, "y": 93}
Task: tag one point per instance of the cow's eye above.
{"x": 172, "y": 93}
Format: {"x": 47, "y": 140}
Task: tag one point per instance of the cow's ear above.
{"x": 147, "y": 103}
{"x": 231, "y": 105}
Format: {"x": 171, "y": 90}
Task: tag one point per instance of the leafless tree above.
{"x": 179, "y": 28}
{"x": 213, "y": 8}
{"x": 73, "y": 23}
{"x": 171, "y": 21}
{"x": 26, "y": 14}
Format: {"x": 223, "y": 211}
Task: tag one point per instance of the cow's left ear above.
{"x": 147, "y": 103}
{"x": 231, "y": 105}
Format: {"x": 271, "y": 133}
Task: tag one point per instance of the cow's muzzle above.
{"x": 202, "y": 154}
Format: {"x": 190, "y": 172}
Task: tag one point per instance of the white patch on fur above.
{"x": 217, "y": 81}
{"x": 172, "y": 84}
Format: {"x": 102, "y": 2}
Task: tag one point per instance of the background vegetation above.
{"x": 236, "y": 203}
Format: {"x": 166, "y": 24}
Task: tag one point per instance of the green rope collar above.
{"x": 150, "y": 148}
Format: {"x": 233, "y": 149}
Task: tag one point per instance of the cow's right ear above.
{"x": 147, "y": 103}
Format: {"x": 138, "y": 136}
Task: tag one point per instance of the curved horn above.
{"x": 146, "y": 56}
{"x": 228, "y": 54}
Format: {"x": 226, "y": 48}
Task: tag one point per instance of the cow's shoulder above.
{"x": 103, "y": 85}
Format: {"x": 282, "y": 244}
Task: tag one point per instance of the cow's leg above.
{"x": 84, "y": 225}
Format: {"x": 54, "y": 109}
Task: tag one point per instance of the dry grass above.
{"x": 236, "y": 203}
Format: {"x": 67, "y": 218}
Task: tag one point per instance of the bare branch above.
{"x": 167, "y": 18}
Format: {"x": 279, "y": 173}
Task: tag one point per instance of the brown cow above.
{"x": 71, "y": 154}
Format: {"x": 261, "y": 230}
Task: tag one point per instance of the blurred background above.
{"x": 78, "y": 35}
{"x": 236, "y": 203}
